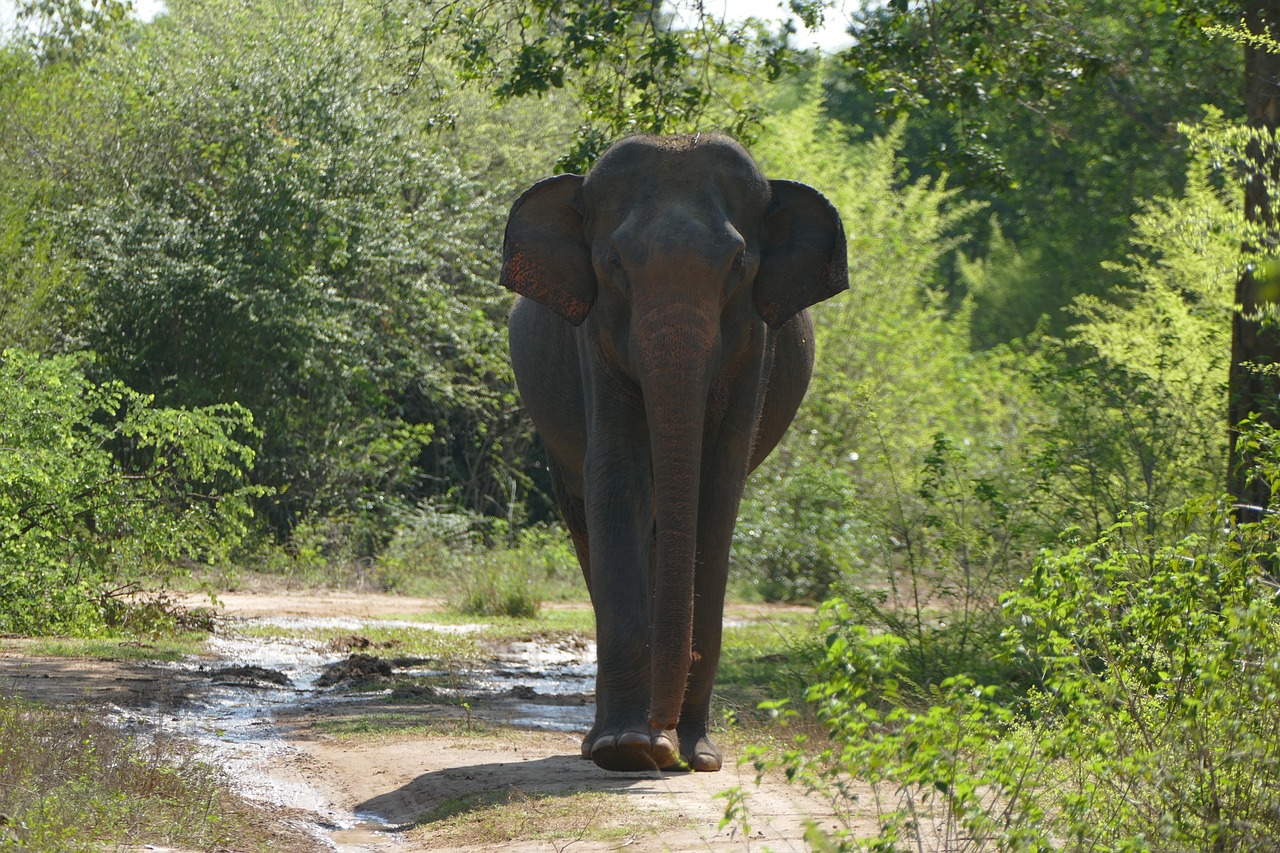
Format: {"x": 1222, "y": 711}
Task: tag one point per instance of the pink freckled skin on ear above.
{"x": 526, "y": 278}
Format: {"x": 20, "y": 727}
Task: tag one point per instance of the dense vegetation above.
{"x": 249, "y": 318}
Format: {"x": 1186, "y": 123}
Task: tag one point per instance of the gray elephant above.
{"x": 661, "y": 347}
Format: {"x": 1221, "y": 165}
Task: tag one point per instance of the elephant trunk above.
{"x": 674, "y": 358}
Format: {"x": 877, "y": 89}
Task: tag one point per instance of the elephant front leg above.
{"x": 619, "y": 510}
{"x": 725, "y": 475}
{"x": 696, "y": 747}
{"x": 622, "y": 738}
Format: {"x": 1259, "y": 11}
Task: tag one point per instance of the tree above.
{"x": 1254, "y": 386}
{"x": 70, "y": 30}
{"x": 973, "y": 54}
{"x": 1059, "y": 113}
{"x": 232, "y": 205}
{"x": 630, "y": 65}
{"x": 97, "y": 484}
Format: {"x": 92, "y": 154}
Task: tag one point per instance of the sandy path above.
{"x": 533, "y": 779}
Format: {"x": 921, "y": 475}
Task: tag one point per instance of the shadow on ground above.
{"x": 441, "y": 794}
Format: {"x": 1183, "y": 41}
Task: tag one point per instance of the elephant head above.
{"x": 677, "y": 258}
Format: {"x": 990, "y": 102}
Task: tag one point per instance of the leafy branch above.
{"x": 631, "y": 65}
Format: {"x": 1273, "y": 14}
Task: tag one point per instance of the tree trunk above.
{"x": 1254, "y": 384}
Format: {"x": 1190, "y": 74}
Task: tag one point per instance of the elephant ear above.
{"x": 803, "y": 258}
{"x": 545, "y": 256}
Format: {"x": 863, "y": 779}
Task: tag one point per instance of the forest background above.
{"x": 248, "y": 265}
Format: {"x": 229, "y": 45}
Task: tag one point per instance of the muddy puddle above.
{"x": 240, "y": 697}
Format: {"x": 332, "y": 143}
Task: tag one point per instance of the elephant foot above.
{"x": 634, "y": 750}
{"x": 589, "y": 741}
{"x": 702, "y": 756}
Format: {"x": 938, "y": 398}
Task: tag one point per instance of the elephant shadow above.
{"x": 441, "y": 794}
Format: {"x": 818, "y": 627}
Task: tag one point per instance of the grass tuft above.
{"x": 500, "y": 586}
{"x": 71, "y": 782}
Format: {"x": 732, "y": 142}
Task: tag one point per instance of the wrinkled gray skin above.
{"x": 661, "y": 347}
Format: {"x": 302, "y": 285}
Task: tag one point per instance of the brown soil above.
{"x": 444, "y": 787}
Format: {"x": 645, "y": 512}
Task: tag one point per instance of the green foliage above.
{"x": 1061, "y": 113}
{"x": 846, "y": 500}
{"x": 997, "y": 283}
{"x": 239, "y": 209}
{"x": 946, "y": 553}
{"x": 1159, "y": 678}
{"x": 890, "y": 354}
{"x": 936, "y": 782}
{"x": 630, "y": 65}
{"x": 796, "y": 537}
{"x": 1135, "y": 684}
{"x": 921, "y": 477}
{"x": 251, "y": 260}
{"x": 1151, "y": 726}
{"x": 43, "y": 129}
{"x": 1139, "y": 387}
{"x": 479, "y": 564}
{"x": 766, "y": 655}
{"x": 97, "y": 484}
{"x": 70, "y": 30}
{"x": 499, "y": 584}
{"x": 430, "y": 543}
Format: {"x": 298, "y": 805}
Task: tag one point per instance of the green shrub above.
{"x": 498, "y": 584}
{"x": 926, "y": 751}
{"x": 553, "y": 563}
{"x": 797, "y": 537}
{"x": 97, "y": 486}
{"x": 1139, "y": 387}
{"x": 1150, "y": 726}
{"x": 1159, "y": 684}
{"x": 431, "y": 546}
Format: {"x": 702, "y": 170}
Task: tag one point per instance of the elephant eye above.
{"x": 739, "y": 261}
{"x": 615, "y": 261}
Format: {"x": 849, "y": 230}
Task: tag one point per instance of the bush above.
{"x": 1159, "y": 684}
{"x": 925, "y": 751}
{"x": 97, "y": 486}
{"x": 1139, "y": 388}
{"x": 1150, "y": 725}
{"x": 499, "y": 584}
{"x": 431, "y": 546}
{"x": 513, "y": 580}
{"x": 796, "y": 538}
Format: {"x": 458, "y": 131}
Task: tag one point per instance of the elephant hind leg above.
{"x": 697, "y": 751}
{"x": 574, "y": 511}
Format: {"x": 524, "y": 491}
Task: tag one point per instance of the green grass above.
{"x": 380, "y": 724}
{"x": 385, "y": 641}
{"x": 166, "y": 648}
{"x": 71, "y": 782}
{"x": 549, "y": 623}
{"x": 514, "y": 578}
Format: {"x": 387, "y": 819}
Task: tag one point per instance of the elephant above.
{"x": 661, "y": 347}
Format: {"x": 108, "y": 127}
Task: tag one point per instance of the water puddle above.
{"x": 232, "y": 715}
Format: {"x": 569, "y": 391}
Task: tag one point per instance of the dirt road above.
{"x": 364, "y": 766}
